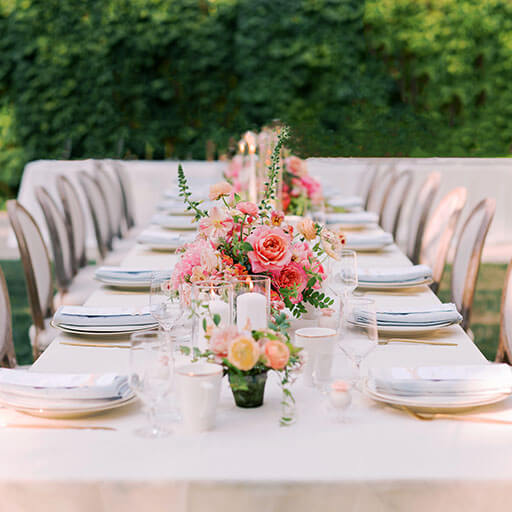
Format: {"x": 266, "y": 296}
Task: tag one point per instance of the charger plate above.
{"x": 102, "y": 330}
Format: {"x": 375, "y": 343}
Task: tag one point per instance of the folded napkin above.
{"x": 83, "y": 316}
{"x": 442, "y": 380}
{"x": 125, "y": 274}
{"x": 152, "y": 236}
{"x": 177, "y": 207}
{"x": 395, "y": 274}
{"x": 435, "y": 315}
{"x": 378, "y": 238}
{"x": 79, "y": 386}
{"x": 346, "y": 202}
{"x": 173, "y": 221}
{"x": 352, "y": 218}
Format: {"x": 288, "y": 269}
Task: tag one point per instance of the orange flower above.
{"x": 276, "y": 354}
{"x": 306, "y": 227}
{"x": 243, "y": 352}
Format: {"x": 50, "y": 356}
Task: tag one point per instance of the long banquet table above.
{"x": 383, "y": 459}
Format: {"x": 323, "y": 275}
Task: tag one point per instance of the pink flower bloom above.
{"x": 276, "y": 301}
{"x": 200, "y": 254}
{"x": 217, "y": 225}
{"x": 271, "y": 249}
{"x": 235, "y": 166}
{"x": 296, "y": 166}
{"x": 292, "y": 276}
{"x": 276, "y": 354}
{"x": 247, "y": 208}
{"x": 313, "y": 187}
{"x": 220, "y": 340}
{"x": 219, "y": 190}
{"x": 276, "y": 218}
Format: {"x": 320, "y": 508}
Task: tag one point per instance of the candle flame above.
{"x": 252, "y": 148}
{"x": 241, "y": 146}
{"x": 249, "y": 282}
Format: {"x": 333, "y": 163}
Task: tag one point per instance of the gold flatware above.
{"x": 442, "y": 416}
{"x": 99, "y": 345}
{"x": 44, "y": 426}
{"x": 420, "y": 342}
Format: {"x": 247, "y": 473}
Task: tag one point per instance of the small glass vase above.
{"x": 248, "y": 390}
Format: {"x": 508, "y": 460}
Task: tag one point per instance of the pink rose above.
{"x": 276, "y": 354}
{"x": 220, "y": 340}
{"x": 271, "y": 249}
{"x": 313, "y": 187}
{"x": 296, "y": 166}
{"x": 247, "y": 208}
{"x": 292, "y": 276}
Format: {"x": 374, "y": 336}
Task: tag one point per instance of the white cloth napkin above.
{"x": 173, "y": 221}
{"x": 125, "y": 274}
{"x": 346, "y": 202}
{"x": 82, "y": 386}
{"x": 355, "y": 240}
{"x": 434, "y": 315}
{"x": 395, "y": 274}
{"x": 352, "y": 218}
{"x": 83, "y": 316}
{"x": 167, "y": 238}
{"x": 442, "y": 380}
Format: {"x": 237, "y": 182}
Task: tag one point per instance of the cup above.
{"x": 318, "y": 345}
{"x": 198, "y": 389}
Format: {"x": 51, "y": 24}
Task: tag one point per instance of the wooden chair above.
{"x": 393, "y": 202}
{"x": 38, "y": 275}
{"x": 419, "y": 214}
{"x": 504, "y": 353}
{"x": 366, "y": 183}
{"x": 59, "y": 239}
{"x": 378, "y": 189}
{"x": 439, "y": 233}
{"x": 7, "y": 354}
{"x": 127, "y": 194}
{"x": 75, "y": 219}
{"x": 466, "y": 263}
{"x": 112, "y": 192}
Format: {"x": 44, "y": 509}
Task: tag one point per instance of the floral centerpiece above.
{"x": 238, "y": 237}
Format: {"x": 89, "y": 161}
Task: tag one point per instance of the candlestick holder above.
{"x": 252, "y": 301}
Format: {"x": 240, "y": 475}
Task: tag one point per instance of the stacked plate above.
{"x": 111, "y": 321}
{"x": 179, "y": 222}
{"x": 62, "y": 395}
{"x": 394, "y": 277}
{"x": 368, "y": 242}
{"x": 164, "y": 241}
{"x": 439, "y": 388}
{"x": 353, "y": 220}
{"x": 126, "y": 278}
{"x": 347, "y": 203}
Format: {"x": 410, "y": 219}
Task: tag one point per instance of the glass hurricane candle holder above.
{"x": 211, "y": 304}
{"x": 252, "y": 302}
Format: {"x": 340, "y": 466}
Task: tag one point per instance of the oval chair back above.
{"x": 394, "y": 200}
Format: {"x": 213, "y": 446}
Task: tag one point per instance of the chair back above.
{"x": 392, "y": 204}
{"x": 7, "y": 354}
{"x": 59, "y": 239}
{"x": 419, "y": 214}
{"x": 111, "y": 190}
{"x": 504, "y": 353}
{"x": 127, "y": 194}
{"x": 99, "y": 213}
{"x": 35, "y": 260}
{"x": 467, "y": 258}
{"x": 378, "y": 189}
{"x": 366, "y": 183}
{"x": 439, "y": 233}
{"x": 75, "y": 218}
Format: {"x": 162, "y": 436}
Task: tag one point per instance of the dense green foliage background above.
{"x": 158, "y": 78}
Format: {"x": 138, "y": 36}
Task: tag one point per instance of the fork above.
{"x": 455, "y": 417}
{"x": 421, "y": 342}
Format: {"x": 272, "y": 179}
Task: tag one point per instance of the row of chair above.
{"x": 110, "y": 208}
{"x": 430, "y": 235}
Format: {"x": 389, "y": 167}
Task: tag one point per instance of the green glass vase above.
{"x": 248, "y": 390}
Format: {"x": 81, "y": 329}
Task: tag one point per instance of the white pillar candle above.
{"x": 221, "y": 308}
{"x": 251, "y": 311}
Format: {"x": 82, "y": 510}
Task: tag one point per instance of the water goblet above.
{"x": 344, "y": 273}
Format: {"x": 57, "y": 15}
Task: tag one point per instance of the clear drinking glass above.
{"x": 358, "y": 335}
{"x": 164, "y": 302}
{"x": 151, "y": 376}
{"x": 344, "y": 273}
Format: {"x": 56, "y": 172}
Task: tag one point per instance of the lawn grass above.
{"x": 485, "y": 320}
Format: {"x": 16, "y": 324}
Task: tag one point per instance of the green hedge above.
{"x": 158, "y": 78}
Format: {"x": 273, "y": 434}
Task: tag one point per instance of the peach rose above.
{"x": 220, "y": 340}
{"x": 243, "y": 352}
{"x": 291, "y": 276}
{"x": 219, "y": 190}
{"x": 306, "y": 227}
{"x": 271, "y": 249}
{"x": 276, "y": 354}
{"x": 247, "y": 208}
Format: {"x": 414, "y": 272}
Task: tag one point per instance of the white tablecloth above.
{"x": 382, "y": 460}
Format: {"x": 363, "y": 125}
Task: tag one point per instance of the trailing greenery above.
{"x": 159, "y": 78}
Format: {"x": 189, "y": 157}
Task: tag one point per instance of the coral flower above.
{"x": 276, "y": 354}
{"x": 271, "y": 249}
{"x": 243, "y": 352}
{"x": 247, "y": 208}
{"x": 219, "y": 190}
{"x": 294, "y": 277}
{"x": 276, "y": 218}
{"x": 306, "y": 227}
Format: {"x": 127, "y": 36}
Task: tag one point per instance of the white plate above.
{"x": 392, "y": 286}
{"x": 102, "y": 330}
{"x": 433, "y": 404}
{"x": 177, "y": 222}
{"x": 67, "y": 411}
{"x": 412, "y": 329}
{"x": 124, "y": 285}
{"x": 163, "y": 247}
{"x": 367, "y": 247}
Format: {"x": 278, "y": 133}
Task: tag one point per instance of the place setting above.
{"x": 125, "y": 278}
{"x": 163, "y": 240}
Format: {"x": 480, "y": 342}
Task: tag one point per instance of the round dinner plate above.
{"x": 163, "y": 247}
{"x": 367, "y": 247}
{"x": 66, "y": 411}
{"x": 124, "y": 285}
{"x": 433, "y": 404}
{"x": 392, "y": 286}
{"x": 102, "y": 330}
{"x": 412, "y": 329}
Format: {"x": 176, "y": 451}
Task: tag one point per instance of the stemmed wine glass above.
{"x": 151, "y": 376}
{"x": 344, "y": 273}
{"x": 357, "y": 335}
